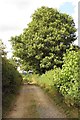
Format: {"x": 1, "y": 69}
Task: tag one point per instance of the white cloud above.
{"x": 15, "y": 15}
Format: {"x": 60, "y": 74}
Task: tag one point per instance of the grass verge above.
{"x": 70, "y": 111}
{"x": 8, "y": 101}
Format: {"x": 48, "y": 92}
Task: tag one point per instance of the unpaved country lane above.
{"x": 32, "y": 102}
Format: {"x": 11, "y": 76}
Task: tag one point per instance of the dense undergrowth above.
{"x": 11, "y": 81}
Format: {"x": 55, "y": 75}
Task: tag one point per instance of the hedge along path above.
{"x": 32, "y": 102}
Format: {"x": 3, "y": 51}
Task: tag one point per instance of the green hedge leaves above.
{"x": 65, "y": 80}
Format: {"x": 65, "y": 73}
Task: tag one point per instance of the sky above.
{"x": 16, "y": 14}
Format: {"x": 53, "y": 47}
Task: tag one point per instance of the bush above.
{"x": 11, "y": 81}
{"x": 65, "y": 80}
{"x": 69, "y": 80}
{"x": 11, "y": 78}
{"x": 48, "y": 80}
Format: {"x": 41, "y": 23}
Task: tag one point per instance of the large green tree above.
{"x": 43, "y": 42}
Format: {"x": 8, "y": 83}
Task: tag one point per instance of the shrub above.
{"x": 69, "y": 80}
{"x": 11, "y": 78}
{"x": 65, "y": 80}
{"x": 11, "y": 81}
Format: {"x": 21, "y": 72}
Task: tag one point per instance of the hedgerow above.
{"x": 69, "y": 80}
{"x": 48, "y": 79}
{"x": 65, "y": 80}
{"x": 10, "y": 76}
{"x": 11, "y": 81}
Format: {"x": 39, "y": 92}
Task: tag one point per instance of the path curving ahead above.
{"x": 32, "y": 102}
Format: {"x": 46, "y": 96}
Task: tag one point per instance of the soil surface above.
{"x": 33, "y": 102}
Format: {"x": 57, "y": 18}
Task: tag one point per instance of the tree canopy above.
{"x": 45, "y": 40}
{"x": 2, "y": 49}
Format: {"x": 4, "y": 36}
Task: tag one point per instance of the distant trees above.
{"x": 45, "y": 40}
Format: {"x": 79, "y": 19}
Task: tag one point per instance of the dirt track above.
{"x": 32, "y": 102}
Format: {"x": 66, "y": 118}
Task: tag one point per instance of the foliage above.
{"x": 2, "y": 49}
{"x": 11, "y": 78}
{"x": 31, "y": 78}
{"x": 27, "y": 78}
{"x": 69, "y": 81}
{"x": 11, "y": 81}
{"x": 65, "y": 80}
{"x": 46, "y": 80}
{"x": 43, "y": 42}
